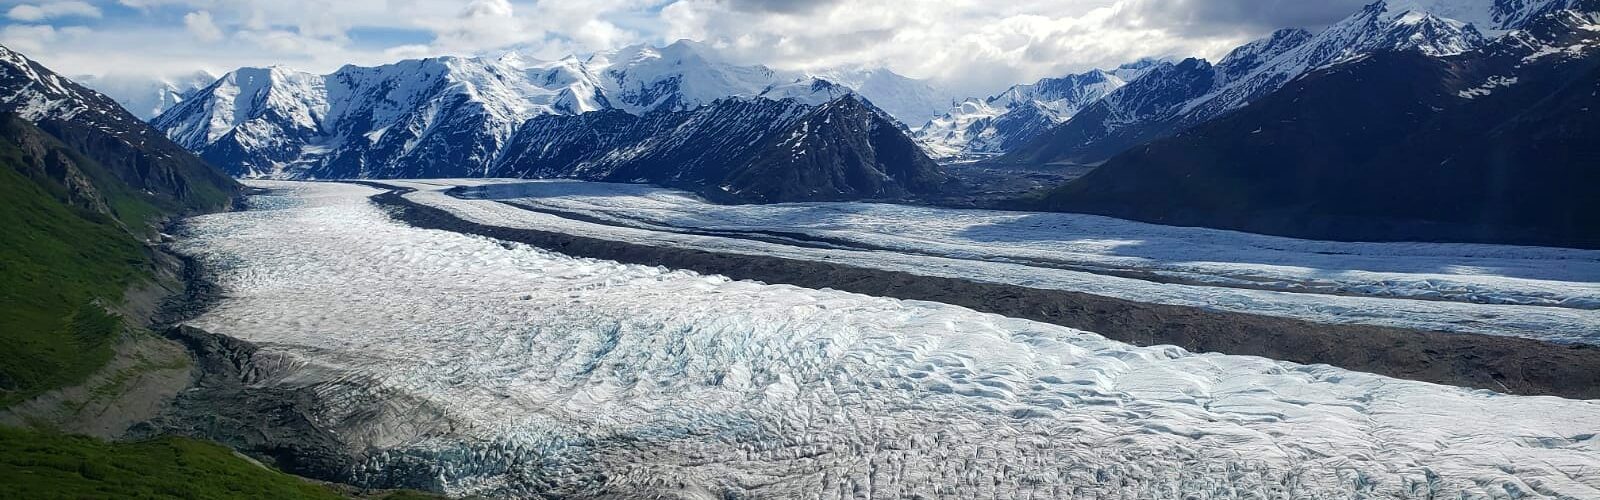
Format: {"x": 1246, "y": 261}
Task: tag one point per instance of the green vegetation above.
{"x": 44, "y": 465}
{"x": 59, "y": 266}
{"x": 70, "y": 244}
{"x": 71, "y": 241}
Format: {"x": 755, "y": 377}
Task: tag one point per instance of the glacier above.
{"x": 568, "y": 376}
{"x": 1549, "y": 294}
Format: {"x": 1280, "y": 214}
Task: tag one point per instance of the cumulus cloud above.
{"x": 972, "y": 46}
{"x": 1201, "y": 17}
{"x": 200, "y": 25}
{"x": 53, "y": 10}
{"x": 38, "y": 37}
{"x": 28, "y": 37}
{"x": 482, "y": 24}
{"x": 779, "y": 6}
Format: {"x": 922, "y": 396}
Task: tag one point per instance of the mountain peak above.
{"x": 36, "y": 93}
{"x": 1020, "y": 113}
{"x": 515, "y": 59}
{"x": 275, "y": 121}
{"x": 95, "y": 126}
{"x": 1143, "y": 63}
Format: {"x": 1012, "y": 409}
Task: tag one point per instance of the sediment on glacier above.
{"x": 305, "y": 419}
{"x": 313, "y": 423}
{"x": 1503, "y": 364}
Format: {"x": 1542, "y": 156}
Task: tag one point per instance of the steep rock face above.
{"x": 93, "y": 126}
{"x": 1432, "y": 27}
{"x": 740, "y": 150}
{"x": 1493, "y": 145}
{"x": 701, "y": 147}
{"x": 43, "y": 160}
{"x": 554, "y": 145}
{"x": 841, "y": 151}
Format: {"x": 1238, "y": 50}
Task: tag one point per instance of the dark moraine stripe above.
{"x": 1499, "y": 363}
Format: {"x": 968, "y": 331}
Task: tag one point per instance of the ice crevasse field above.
{"x": 581, "y": 376}
{"x": 1549, "y": 294}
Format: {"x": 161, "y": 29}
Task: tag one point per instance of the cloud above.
{"x": 414, "y": 51}
{"x": 975, "y": 47}
{"x": 481, "y": 25}
{"x": 779, "y": 6}
{"x": 1200, "y": 17}
{"x": 53, "y": 10}
{"x": 200, "y": 25}
{"x": 28, "y": 37}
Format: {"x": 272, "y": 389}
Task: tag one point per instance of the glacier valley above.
{"x": 552, "y": 375}
{"x": 1549, "y": 294}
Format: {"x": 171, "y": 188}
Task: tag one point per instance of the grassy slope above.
{"x": 60, "y": 266}
{"x": 44, "y": 465}
{"x": 56, "y": 262}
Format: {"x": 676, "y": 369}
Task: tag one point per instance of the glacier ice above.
{"x": 592, "y": 378}
{"x": 1548, "y": 294}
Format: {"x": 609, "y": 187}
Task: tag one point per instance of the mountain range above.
{"x": 1495, "y": 143}
{"x": 681, "y": 116}
{"x": 1005, "y": 121}
{"x": 1194, "y": 91}
{"x": 471, "y": 117}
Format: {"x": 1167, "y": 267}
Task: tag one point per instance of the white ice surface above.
{"x": 1542, "y": 293}
{"x": 594, "y": 377}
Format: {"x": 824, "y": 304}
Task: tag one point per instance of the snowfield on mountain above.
{"x": 455, "y": 116}
{"x": 1172, "y": 97}
{"x": 570, "y": 375}
{"x": 1004, "y": 121}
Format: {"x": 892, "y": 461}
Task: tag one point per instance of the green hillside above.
{"x": 73, "y": 240}
{"x": 61, "y": 261}
{"x": 43, "y": 465}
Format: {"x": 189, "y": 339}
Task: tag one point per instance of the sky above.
{"x": 971, "y": 47}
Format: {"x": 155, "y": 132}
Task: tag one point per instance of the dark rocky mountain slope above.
{"x": 1151, "y": 108}
{"x": 95, "y": 127}
{"x": 82, "y": 185}
{"x": 1499, "y": 144}
{"x": 733, "y": 150}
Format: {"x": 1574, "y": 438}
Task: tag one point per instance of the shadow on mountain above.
{"x": 1328, "y": 259}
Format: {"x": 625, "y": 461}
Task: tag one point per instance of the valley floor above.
{"x": 545, "y": 373}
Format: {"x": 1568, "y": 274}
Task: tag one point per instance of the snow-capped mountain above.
{"x": 93, "y": 127}
{"x": 147, "y": 97}
{"x": 687, "y": 74}
{"x": 910, "y": 100}
{"x": 1494, "y": 144}
{"x": 37, "y": 94}
{"x": 1001, "y": 122}
{"x": 672, "y": 115}
{"x": 734, "y": 149}
{"x": 1121, "y": 120}
{"x": 413, "y": 116}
